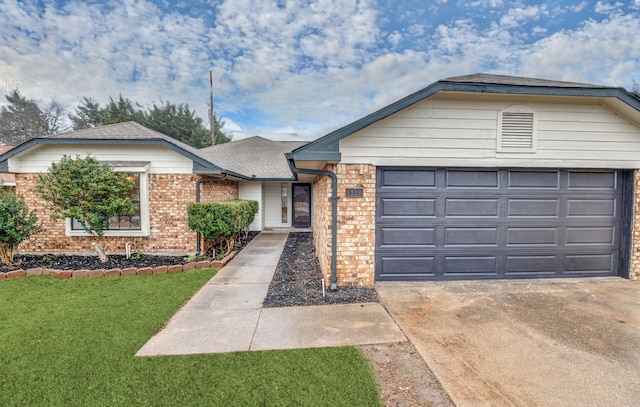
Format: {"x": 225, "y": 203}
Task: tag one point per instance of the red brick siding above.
{"x": 356, "y": 224}
{"x": 169, "y": 195}
{"x": 321, "y": 220}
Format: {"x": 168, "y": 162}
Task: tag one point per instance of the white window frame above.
{"x": 144, "y": 208}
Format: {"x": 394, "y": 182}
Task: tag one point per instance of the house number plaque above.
{"x": 354, "y": 193}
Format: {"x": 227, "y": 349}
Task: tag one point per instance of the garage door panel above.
{"x": 407, "y": 207}
{"x": 591, "y": 235}
{"x": 532, "y": 236}
{"x": 409, "y": 178}
{"x": 471, "y": 237}
{"x": 471, "y": 179}
{"x": 592, "y": 207}
{"x": 498, "y": 224}
{"x": 471, "y": 207}
{"x": 534, "y": 179}
{"x": 478, "y": 265}
{"x": 592, "y": 180}
{"x": 533, "y": 208}
{"x": 417, "y": 237}
{"x": 586, "y": 263}
{"x": 408, "y": 266}
{"x": 530, "y": 265}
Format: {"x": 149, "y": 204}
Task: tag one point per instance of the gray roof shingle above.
{"x": 254, "y": 156}
{"x": 484, "y": 78}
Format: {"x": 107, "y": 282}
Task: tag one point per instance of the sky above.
{"x": 295, "y": 70}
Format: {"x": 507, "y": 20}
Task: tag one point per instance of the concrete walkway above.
{"x": 226, "y": 314}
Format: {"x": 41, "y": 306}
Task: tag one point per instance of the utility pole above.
{"x": 211, "y": 113}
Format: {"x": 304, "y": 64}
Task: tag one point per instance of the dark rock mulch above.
{"x": 298, "y": 279}
{"x": 91, "y": 262}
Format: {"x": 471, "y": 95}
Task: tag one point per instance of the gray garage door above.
{"x": 440, "y": 224}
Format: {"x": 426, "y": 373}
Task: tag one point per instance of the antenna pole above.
{"x": 211, "y": 113}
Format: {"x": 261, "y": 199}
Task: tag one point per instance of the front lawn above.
{"x": 72, "y": 343}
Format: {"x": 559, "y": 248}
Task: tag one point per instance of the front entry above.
{"x": 301, "y": 205}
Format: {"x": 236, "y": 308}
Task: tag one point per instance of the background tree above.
{"x": 174, "y": 120}
{"x": 90, "y": 192}
{"x": 221, "y": 136}
{"x": 17, "y": 223}
{"x": 23, "y": 119}
{"x": 89, "y": 114}
{"x": 179, "y": 122}
{"x": 122, "y": 110}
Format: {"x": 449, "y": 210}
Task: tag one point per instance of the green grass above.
{"x": 72, "y": 343}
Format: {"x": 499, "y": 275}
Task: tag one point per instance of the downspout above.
{"x": 198, "y": 182}
{"x": 334, "y": 213}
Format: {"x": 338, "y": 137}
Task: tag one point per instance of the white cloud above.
{"x": 302, "y": 67}
{"x": 599, "y": 52}
{"x": 520, "y": 15}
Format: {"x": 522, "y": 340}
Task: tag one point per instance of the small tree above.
{"x": 17, "y": 223}
{"x": 88, "y": 191}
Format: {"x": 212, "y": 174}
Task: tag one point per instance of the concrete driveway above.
{"x": 568, "y": 342}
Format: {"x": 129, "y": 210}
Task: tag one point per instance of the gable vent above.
{"x": 516, "y": 131}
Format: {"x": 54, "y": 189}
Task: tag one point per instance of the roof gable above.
{"x": 252, "y": 158}
{"x": 326, "y": 148}
{"x": 127, "y": 133}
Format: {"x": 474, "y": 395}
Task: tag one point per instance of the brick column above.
{"x": 356, "y": 224}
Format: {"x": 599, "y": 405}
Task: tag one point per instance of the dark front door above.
{"x": 301, "y": 205}
{"x": 443, "y": 224}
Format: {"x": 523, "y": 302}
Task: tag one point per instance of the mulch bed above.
{"x": 91, "y": 262}
{"x": 298, "y": 279}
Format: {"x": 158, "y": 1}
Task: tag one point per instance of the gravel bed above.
{"x": 298, "y": 279}
{"x": 91, "y": 262}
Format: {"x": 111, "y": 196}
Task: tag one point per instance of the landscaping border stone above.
{"x": 131, "y": 271}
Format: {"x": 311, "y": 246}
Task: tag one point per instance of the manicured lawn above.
{"x": 72, "y": 343}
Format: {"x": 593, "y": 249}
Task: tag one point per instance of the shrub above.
{"x": 17, "y": 223}
{"x": 224, "y": 222}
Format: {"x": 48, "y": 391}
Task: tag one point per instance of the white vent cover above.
{"x": 516, "y": 130}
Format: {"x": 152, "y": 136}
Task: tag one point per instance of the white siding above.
{"x": 463, "y": 132}
{"x": 273, "y": 205}
{"x": 252, "y": 190}
{"x": 162, "y": 159}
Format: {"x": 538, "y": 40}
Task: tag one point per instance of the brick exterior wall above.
{"x": 356, "y": 224}
{"x": 169, "y": 195}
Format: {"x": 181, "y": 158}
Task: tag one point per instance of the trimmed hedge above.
{"x": 222, "y": 222}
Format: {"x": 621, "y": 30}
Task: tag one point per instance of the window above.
{"x": 120, "y": 225}
{"x": 517, "y": 130}
{"x": 122, "y": 222}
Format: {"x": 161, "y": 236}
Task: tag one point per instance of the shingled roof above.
{"x": 252, "y": 158}
{"x": 484, "y": 78}
{"x": 256, "y": 156}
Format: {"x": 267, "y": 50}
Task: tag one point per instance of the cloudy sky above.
{"x": 298, "y": 68}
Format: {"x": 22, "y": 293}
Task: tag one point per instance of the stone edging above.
{"x": 132, "y": 271}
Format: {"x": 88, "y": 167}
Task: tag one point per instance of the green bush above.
{"x": 222, "y": 222}
{"x": 17, "y": 223}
